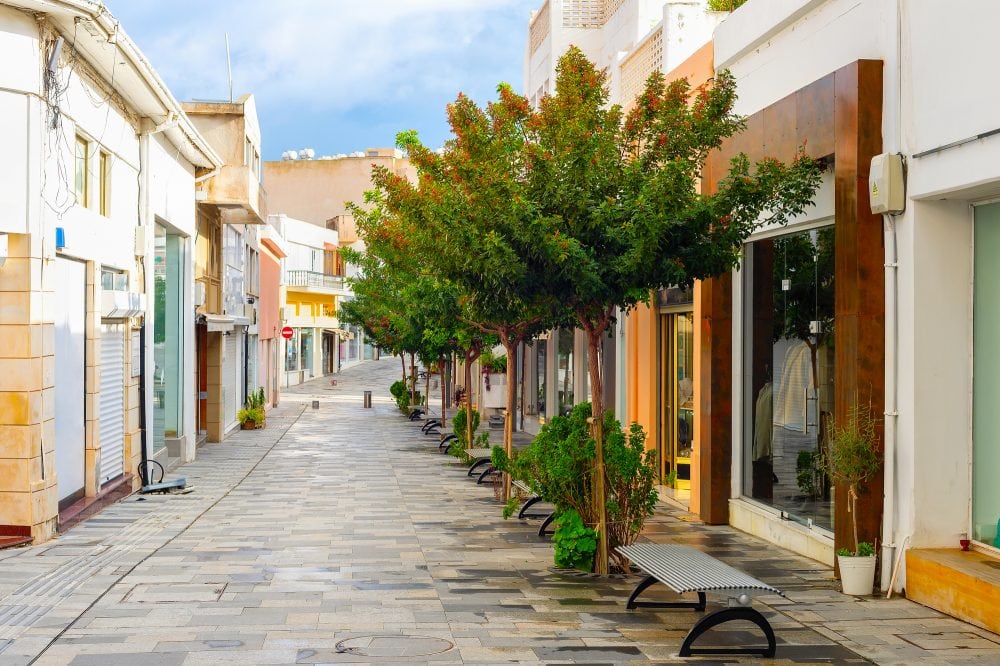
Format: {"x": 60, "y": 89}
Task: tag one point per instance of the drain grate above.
{"x": 394, "y": 646}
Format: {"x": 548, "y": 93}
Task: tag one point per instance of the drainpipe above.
{"x": 891, "y": 413}
{"x": 145, "y": 349}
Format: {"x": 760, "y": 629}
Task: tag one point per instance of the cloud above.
{"x": 315, "y": 65}
{"x": 329, "y": 53}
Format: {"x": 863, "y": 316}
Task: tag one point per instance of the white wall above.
{"x": 938, "y": 65}
{"x": 19, "y": 113}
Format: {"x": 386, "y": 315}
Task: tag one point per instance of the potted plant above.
{"x": 253, "y": 416}
{"x": 852, "y": 458}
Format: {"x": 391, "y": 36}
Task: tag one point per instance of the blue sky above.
{"x": 335, "y": 75}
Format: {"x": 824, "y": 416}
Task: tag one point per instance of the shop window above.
{"x": 541, "y": 351}
{"x": 986, "y": 379}
{"x": 307, "y": 352}
{"x": 104, "y": 184}
{"x": 788, "y": 295}
{"x": 677, "y": 398}
{"x": 82, "y": 171}
{"x": 292, "y": 352}
{"x": 564, "y": 370}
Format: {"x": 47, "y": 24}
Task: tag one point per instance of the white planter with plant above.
{"x": 852, "y": 458}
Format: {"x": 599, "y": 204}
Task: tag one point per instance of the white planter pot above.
{"x": 857, "y": 575}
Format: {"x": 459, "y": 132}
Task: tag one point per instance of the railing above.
{"x": 314, "y": 279}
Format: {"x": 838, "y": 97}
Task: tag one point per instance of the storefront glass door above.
{"x": 564, "y": 370}
{"x": 986, "y": 379}
{"x": 168, "y": 337}
{"x": 788, "y": 360}
{"x": 540, "y": 376}
{"x": 676, "y": 398}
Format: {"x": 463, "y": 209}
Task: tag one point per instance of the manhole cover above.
{"x": 394, "y": 646}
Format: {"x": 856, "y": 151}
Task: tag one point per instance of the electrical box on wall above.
{"x": 886, "y": 184}
{"x": 140, "y": 241}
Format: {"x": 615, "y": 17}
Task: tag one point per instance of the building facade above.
{"x": 312, "y": 287}
{"x": 910, "y": 308}
{"x": 650, "y": 357}
{"x": 97, "y": 186}
{"x": 232, "y": 206}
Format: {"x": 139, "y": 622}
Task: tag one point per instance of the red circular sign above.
{"x": 287, "y": 332}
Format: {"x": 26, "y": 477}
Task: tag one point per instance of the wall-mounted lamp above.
{"x": 60, "y": 238}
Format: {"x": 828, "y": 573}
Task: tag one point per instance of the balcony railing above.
{"x": 314, "y": 279}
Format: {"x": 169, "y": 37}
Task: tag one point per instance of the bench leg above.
{"x": 543, "y": 530}
{"x": 527, "y": 505}
{"x": 729, "y": 615}
{"x": 486, "y": 472}
{"x": 649, "y": 581}
{"x": 445, "y": 441}
{"x": 476, "y": 465}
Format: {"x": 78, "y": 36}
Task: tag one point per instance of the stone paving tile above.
{"x": 342, "y": 523}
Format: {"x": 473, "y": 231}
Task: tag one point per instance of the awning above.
{"x": 217, "y": 323}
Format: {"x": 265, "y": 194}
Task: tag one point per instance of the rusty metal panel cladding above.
{"x": 839, "y": 114}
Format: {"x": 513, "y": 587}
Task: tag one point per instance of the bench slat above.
{"x": 479, "y": 453}
{"x": 685, "y": 569}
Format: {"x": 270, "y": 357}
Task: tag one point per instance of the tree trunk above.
{"x": 468, "y": 399}
{"x": 598, "y": 486}
{"x": 444, "y": 397}
{"x": 402, "y": 359}
{"x": 508, "y": 423}
{"x": 427, "y": 388}
{"x": 413, "y": 379}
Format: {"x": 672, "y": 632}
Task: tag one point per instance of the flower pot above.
{"x": 857, "y": 574}
{"x": 251, "y": 425}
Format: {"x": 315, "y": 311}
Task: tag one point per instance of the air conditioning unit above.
{"x": 121, "y": 304}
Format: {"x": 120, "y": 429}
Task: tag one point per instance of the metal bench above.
{"x": 543, "y": 529}
{"x": 415, "y": 413}
{"x": 482, "y": 458}
{"x": 686, "y": 570}
{"x": 532, "y": 500}
{"x": 446, "y": 441}
{"x": 430, "y": 426}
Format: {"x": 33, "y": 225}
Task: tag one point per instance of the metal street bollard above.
{"x": 368, "y": 399}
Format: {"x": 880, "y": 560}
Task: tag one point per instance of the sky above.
{"x": 336, "y": 76}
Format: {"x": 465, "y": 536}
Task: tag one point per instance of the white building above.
{"x": 97, "y": 184}
{"x": 312, "y": 288}
{"x": 930, "y": 92}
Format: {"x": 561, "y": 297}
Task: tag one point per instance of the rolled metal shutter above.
{"x": 112, "y": 403}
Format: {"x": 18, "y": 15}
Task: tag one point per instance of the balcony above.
{"x": 313, "y": 281}
{"x": 309, "y": 321}
{"x": 237, "y": 192}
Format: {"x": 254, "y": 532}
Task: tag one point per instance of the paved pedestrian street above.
{"x": 340, "y": 535}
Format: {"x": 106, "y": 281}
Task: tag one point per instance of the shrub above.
{"x": 852, "y": 458}
{"x": 490, "y": 363}
{"x": 725, "y": 5}
{"x": 459, "y": 426}
{"x": 557, "y": 465}
{"x": 575, "y": 543}
{"x": 401, "y": 392}
{"x": 247, "y": 414}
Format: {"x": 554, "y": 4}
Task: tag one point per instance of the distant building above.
{"x": 313, "y": 192}
{"x": 312, "y": 287}
{"x": 232, "y": 207}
